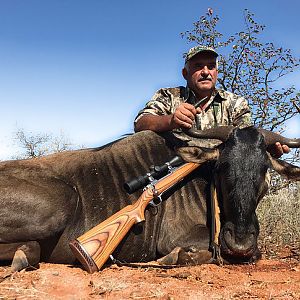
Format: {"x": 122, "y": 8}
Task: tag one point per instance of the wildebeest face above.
{"x": 240, "y": 173}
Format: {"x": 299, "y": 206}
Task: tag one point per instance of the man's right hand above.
{"x": 183, "y": 116}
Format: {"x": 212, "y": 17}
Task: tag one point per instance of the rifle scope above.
{"x": 156, "y": 172}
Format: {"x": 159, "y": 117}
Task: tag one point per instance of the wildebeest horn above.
{"x": 220, "y": 133}
{"x": 284, "y": 168}
{"x": 271, "y": 138}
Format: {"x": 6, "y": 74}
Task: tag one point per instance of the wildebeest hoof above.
{"x": 194, "y": 257}
{"x": 171, "y": 258}
{"x": 19, "y": 262}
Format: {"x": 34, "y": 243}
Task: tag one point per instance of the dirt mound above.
{"x": 268, "y": 279}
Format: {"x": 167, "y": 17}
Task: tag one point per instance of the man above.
{"x": 172, "y": 109}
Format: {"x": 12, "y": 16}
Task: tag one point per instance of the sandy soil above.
{"x": 268, "y": 279}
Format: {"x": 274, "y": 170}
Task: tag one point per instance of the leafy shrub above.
{"x": 278, "y": 214}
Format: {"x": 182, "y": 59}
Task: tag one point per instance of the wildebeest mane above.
{"x": 110, "y": 143}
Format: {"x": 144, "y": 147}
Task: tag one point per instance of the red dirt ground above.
{"x": 268, "y": 279}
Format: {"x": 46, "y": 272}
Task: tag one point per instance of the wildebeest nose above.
{"x": 239, "y": 242}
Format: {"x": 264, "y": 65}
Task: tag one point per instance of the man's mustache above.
{"x": 205, "y": 78}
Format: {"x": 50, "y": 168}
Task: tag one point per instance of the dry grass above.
{"x": 278, "y": 214}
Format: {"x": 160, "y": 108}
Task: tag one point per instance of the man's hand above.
{"x": 277, "y": 150}
{"x": 184, "y": 116}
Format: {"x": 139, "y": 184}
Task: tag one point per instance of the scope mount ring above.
{"x": 156, "y": 196}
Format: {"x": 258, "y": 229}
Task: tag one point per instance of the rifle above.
{"x": 95, "y": 246}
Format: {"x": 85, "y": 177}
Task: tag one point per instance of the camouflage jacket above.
{"x": 224, "y": 108}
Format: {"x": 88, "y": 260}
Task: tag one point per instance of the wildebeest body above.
{"x": 47, "y": 202}
{"x": 57, "y": 198}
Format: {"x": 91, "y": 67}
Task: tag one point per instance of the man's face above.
{"x": 201, "y": 73}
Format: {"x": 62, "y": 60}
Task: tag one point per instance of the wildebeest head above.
{"x": 240, "y": 173}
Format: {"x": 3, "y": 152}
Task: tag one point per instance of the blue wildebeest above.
{"x": 48, "y": 201}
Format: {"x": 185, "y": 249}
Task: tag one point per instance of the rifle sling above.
{"x": 215, "y": 226}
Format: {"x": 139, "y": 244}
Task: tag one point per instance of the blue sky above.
{"x": 85, "y": 68}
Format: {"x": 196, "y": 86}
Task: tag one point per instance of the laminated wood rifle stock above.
{"x": 95, "y": 246}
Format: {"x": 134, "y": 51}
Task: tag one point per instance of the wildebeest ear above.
{"x": 284, "y": 168}
{"x": 197, "y": 155}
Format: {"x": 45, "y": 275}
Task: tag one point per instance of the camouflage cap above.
{"x": 197, "y": 49}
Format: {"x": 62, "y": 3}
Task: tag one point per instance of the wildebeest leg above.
{"x": 26, "y": 255}
{"x": 22, "y": 255}
{"x": 192, "y": 248}
{"x": 35, "y": 207}
{"x": 181, "y": 256}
